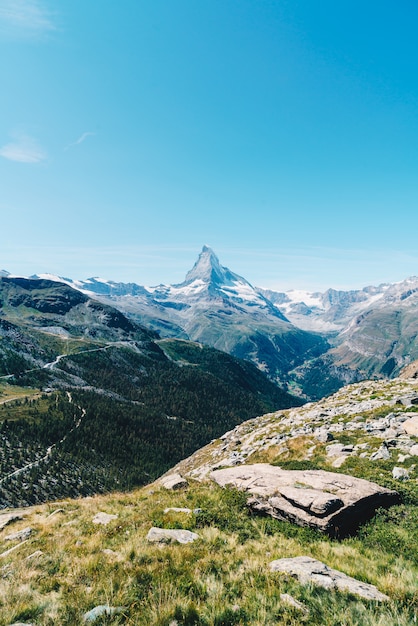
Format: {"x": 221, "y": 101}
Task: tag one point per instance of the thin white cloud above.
{"x": 82, "y": 138}
{"x": 25, "y": 17}
{"x": 23, "y": 149}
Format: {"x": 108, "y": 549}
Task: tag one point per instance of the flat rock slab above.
{"x": 169, "y": 535}
{"x": 103, "y": 518}
{"x": 20, "y": 535}
{"x": 333, "y": 503}
{"x": 308, "y": 570}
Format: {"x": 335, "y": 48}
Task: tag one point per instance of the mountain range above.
{"x": 102, "y": 390}
{"x": 310, "y": 342}
{"x": 91, "y": 400}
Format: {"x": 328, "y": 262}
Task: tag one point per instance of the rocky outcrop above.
{"x": 332, "y": 503}
{"x": 308, "y": 570}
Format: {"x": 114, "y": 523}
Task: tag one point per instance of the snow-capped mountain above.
{"x": 216, "y": 307}
{"x": 209, "y": 282}
{"x": 316, "y": 341}
{"x": 327, "y": 312}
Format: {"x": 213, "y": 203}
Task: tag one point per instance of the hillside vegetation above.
{"x": 91, "y": 401}
{"x": 66, "y": 565}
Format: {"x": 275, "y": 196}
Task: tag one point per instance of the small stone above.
{"x": 413, "y": 450}
{"x": 34, "y": 555}
{"x": 402, "y": 458}
{"x": 173, "y": 482}
{"x": 110, "y": 552}
{"x": 381, "y": 454}
{"x": 20, "y": 535}
{"x": 102, "y": 609}
{"x": 400, "y": 473}
{"x": 291, "y": 601}
{"x": 55, "y": 513}
{"x": 335, "y": 449}
{"x": 103, "y": 518}
{"x": 169, "y": 535}
{"x": 322, "y": 435}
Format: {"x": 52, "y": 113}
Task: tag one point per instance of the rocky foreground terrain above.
{"x": 189, "y": 549}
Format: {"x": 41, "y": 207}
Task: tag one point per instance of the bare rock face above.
{"x": 308, "y": 570}
{"x": 333, "y": 503}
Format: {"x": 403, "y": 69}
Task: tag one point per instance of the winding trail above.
{"x": 49, "y": 450}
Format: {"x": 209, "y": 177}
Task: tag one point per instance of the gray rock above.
{"x": 8, "y": 518}
{"x": 103, "y": 518}
{"x": 291, "y": 601}
{"x": 413, "y": 450}
{"x": 322, "y": 435}
{"x": 173, "y": 481}
{"x": 410, "y": 426}
{"x": 102, "y": 609}
{"x": 400, "y": 473}
{"x": 308, "y": 570}
{"x": 335, "y": 449}
{"x": 381, "y": 454}
{"x": 176, "y": 509}
{"x": 169, "y": 535}
{"x": 20, "y": 535}
{"x": 34, "y": 555}
{"x": 333, "y": 503}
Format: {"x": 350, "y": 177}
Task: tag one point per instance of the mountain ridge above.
{"x": 291, "y": 336}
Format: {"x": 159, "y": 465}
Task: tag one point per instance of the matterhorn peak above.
{"x": 208, "y": 269}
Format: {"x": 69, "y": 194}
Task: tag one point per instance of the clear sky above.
{"x": 282, "y": 133}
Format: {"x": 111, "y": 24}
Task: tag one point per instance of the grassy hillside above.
{"x": 66, "y": 565}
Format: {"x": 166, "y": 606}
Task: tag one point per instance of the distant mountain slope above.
{"x": 117, "y": 406}
{"x": 329, "y": 311}
{"x": 314, "y": 342}
{"x": 219, "y": 308}
{"x": 374, "y": 332}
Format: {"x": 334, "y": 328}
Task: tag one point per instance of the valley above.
{"x": 311, "y": 343}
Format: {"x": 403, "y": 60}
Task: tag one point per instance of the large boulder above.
{"x": 333, "y": 503}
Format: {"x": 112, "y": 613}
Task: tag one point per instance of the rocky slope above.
{"x": 197, "y": 555}
{"x": 362, "y": 424}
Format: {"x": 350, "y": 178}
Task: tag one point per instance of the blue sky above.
{"x": 282, "y": 133}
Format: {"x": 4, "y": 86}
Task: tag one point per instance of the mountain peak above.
{"x": 208, "y": 269}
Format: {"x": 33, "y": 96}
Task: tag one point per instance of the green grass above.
{"x": 221, "y": 579}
